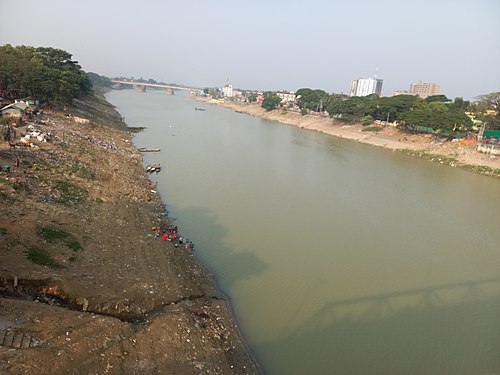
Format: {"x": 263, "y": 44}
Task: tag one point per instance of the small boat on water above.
{"x": 199, "y": 109}
{"x": 145, "y": 149}
{"x": 153, "y": 168}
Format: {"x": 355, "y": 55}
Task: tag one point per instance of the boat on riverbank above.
{"x": 153, "y": 168}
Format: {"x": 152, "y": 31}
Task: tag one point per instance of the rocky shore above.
{"x": 461, "y": 153}
{"x": 85, "y": 286}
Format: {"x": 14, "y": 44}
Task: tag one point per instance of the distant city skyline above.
{"x": 279, "y": 45}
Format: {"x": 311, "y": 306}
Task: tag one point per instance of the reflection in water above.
{"x": 421, "y": 338}
{"x": 339, "y": 258}
{"x": 385, "y": 304}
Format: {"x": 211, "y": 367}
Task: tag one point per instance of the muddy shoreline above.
{"x": 85, "y": 285}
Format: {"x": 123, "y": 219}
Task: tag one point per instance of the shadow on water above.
{"x": 445, "y": 329}
{"x": 231, "y": 265}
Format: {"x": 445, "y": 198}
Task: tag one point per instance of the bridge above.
{"x": 176, "y": 87}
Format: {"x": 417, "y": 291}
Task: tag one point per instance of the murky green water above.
{"x": 339, "y": 258}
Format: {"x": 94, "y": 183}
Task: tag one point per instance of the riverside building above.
{"x": 366, "y": 86}
{"x": 227, "y": 91}
{"x": 424, "y": 90}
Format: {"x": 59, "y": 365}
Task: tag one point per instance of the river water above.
{"x": 338, "y": 257}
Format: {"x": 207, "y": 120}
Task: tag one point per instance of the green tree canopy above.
{"x": 443, "y": 120}
{"x": 487, "y": 109}
{"x": 437, "y": 98}
{"x": 271, "y": 100}
{"x": 47, "y": 74}
{"x": 315, "y": 100}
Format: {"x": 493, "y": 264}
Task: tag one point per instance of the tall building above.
{"x": 424, "y": 90}
{"x": 366, "y": 86}
{"x": 227, "y": 91}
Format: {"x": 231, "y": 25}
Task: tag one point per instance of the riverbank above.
{"x": 85, "y": 286}
{"x": 456, "y": 154}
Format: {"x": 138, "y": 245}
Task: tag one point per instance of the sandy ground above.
{"x": 390, "y": 137}
{"x": 126, "y": 302}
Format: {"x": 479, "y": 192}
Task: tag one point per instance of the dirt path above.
{"x": 109, "y": 297}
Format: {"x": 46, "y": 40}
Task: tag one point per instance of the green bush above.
{"x": 367, "y": 120}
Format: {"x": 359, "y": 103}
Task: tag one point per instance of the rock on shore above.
{"x": 85, "y": 287}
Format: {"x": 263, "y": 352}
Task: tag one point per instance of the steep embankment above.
{"x": 85, "y": 286}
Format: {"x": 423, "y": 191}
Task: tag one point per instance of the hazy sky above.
{"x": 271, "y": 45}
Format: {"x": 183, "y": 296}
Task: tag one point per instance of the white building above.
{"x": 286, "y": 97}
{"x": 366, "y": 86}
{"x": 227, "y": 91}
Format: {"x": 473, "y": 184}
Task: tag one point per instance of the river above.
{"x": 338, "y": 257}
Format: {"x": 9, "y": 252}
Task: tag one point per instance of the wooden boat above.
{"x": 153, "y": 168}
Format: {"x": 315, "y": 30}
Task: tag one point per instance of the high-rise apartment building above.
{"x": 366, "y": 86}
{"x": 424, "y": 90}
{"x": 227, "y": 91}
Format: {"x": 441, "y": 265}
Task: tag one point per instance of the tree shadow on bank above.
{"x": 445, "y": 329}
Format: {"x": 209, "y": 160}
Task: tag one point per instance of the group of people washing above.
{"x": 171, "y": 233}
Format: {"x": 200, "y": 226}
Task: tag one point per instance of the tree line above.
{"x": 436, "y": 114}
{"x": 43, "y": 73}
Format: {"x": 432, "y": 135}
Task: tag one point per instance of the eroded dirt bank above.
{"x": 85, "y": 286}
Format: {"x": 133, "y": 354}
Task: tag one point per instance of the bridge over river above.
{"x": 157, "y": 85}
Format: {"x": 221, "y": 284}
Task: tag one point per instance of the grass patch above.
{"x": 41, "y": 257}
{"x": 136, "y": 129}
{"x": 3, "y": 230}
{"x": 375, "y": 129}
{"x": 82, "y": 171}
{"x": 70, "y": 193}
{"x": 447, "y": 160}
{"x": 72, "y": 258}
{"x": 51, "y": 235}
{"x": 483, "y": 170}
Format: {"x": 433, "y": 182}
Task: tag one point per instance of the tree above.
{"x": 271, "y": 100}
{"x": 46, "y": 73}
{"x": 252, "y": 97}
{"x": 98, "y": 80}
{"x": 443, "y": 120}
{"x": 460, "y": 104}
{"x": 315, "y": 100}
{"x": 437, "y": 98}
{"x": 492, "y": 100}
{"x": 353, "y": 109}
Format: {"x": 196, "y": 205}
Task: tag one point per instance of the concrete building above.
{"x": 227, "y": 91}
{"x": 366, "y": 86}
{"x": 286, "y": 97}
{"x": 424, "y": 90}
